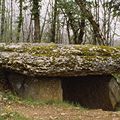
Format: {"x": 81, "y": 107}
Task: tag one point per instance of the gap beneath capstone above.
{"x": 92, "y": 91}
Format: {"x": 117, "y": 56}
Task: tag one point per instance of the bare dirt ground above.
{"x": 10, "y": 104}
{"x": 61, "y": 113}
{"x": 57, "y": 112}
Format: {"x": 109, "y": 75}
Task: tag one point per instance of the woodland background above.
{"x": 60, "y": 21}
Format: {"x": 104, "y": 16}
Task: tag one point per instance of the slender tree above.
{"x": 20, "y": 20}
{"x": 3, "y": 21}
{"x": 11, "y": 22}
{"x": 75, "y": 20}
{"x": 88, "y": 15}
{"x": 43, "y": 26}
{"x": 36, "y": 17}
{"x": 54, "y": 21}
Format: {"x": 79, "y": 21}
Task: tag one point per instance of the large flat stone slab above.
{"x": 59, "y": 60}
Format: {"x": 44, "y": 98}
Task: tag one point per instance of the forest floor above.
{"x": 12, "y": 108}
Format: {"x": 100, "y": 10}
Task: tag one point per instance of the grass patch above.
{"x": 48, "y": 102}
{"x": 64, "y": 104}
{"x": 9, "y": 97}
{"x": 12, "y": 116}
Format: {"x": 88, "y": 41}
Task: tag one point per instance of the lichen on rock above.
{"x": 59, "y": 60}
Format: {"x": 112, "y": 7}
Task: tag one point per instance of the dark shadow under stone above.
{"x": 89, "y": 91}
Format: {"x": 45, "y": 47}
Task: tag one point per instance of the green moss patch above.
{"x": 55, "y": 59}
{"x": 57, "y": 50}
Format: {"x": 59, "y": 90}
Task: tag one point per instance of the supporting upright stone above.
{"x": 36, "y": 88}
{"x": 114, "y": 93}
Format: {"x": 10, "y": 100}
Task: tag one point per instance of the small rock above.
{"x": 63, "y": 114}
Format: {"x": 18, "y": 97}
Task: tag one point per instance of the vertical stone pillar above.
{"x": 44, "y": 89}
{"x": 36, "y": 88}
{"x": 114, "y": 93}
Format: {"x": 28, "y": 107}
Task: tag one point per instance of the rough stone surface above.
{"x": 35, "y": 88}
{"x": 114, "y": 93}
{"x": 59, "y": 60}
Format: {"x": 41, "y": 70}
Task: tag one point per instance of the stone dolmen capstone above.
{"x": 83, "y": 74}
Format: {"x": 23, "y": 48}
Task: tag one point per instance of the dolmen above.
{"x": 84, "y": 74}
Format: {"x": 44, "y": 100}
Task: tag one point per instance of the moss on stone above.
{"x": 56, "y": 59}
{"x": 117, "y": 76}
{"x": 56, "y": 50}
{"x": 92, "y": 50}
{"x": 43, "y": 50}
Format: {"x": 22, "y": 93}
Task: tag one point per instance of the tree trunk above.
{"x": 3, "y": 21}
{"x": 82, "y": 29}
{"x": 36, "y": 16}
{"x": 30, "y": 31}
{"x": 68, "y": 31}
{"x": 43, "y": 26}
{"x": 88, "y": 15}
{"x": 11, "y": 22}
{"x": 20, "y": 21}
{"x": 53, "y": 29}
